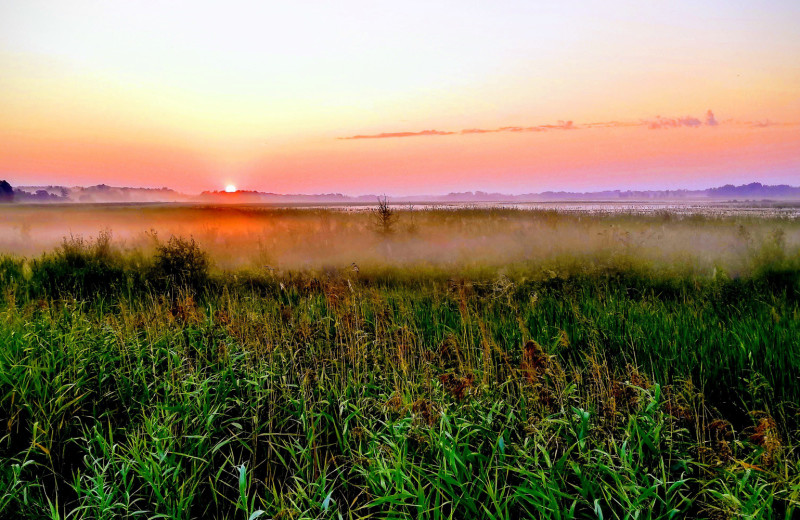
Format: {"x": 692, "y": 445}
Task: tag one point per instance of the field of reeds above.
{"x": 494, "y": 364}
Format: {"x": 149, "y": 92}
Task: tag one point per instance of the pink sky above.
{"x": 198, "y": 96}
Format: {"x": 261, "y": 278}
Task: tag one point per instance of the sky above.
{"x": 401, "y": 98}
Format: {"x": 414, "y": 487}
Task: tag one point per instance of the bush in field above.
{"x": 181, "y": 261}
{"x": 12, "y": 271}
{"x": 775, "y": 263}
{"x": 79, "y": 268}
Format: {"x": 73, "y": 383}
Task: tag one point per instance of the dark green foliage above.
{"x": 80, "y": 268}
{"x": 181, "y": 262}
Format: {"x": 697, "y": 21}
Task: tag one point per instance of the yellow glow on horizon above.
{"x": 230, "y": 188}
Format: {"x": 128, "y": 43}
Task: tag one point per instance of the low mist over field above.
{"x": 259, "y": 237}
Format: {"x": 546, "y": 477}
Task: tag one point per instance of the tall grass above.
{"x": 154, "y": 386}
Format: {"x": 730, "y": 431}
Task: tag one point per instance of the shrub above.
{"x": 182, "y": 262}
{"x": 79, "y": 268}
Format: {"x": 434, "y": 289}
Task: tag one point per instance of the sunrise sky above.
{"x": 400, "y": 97}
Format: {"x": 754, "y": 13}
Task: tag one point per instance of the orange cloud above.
{"x": 688, "y": 121}
{"x": 398, "y": 134}
{"x": 562, "y": 125}
{"x": 658, "y": 123}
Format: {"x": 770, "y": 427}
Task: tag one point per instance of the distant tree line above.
{"x": 9, "y": 194}
{"x": 6, "y": 192}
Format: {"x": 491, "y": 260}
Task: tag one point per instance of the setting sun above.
{"x": 230, "y": 188}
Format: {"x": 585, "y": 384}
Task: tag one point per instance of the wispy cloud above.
{"x": 477, "y": 131}
{"x": 710, "y": 119}
{"x": 561, "y": 125}
{"x": 675, "y": 122}
{"x": 612, "y": 124}
{"x": 766, "y": 123}
{"x": 386, "y": 135}
{"x": 656, "y": 123}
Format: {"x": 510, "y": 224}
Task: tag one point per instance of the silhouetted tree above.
{"x": 6, "y": 192}
{"x": 385, "y": 217}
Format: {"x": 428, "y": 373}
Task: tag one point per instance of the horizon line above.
{"x": 222, "y": 192}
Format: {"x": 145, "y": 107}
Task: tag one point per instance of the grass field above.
{"x": 471, "y": 364}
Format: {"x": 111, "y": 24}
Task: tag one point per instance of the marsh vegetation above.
{"x": 247, "y": 362}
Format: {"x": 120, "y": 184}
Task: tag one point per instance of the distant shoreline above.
{"x": 749, "y": 193}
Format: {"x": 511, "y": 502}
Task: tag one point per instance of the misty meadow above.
{"x": 171, "y": 361}
{"x": 439, "y": 260}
